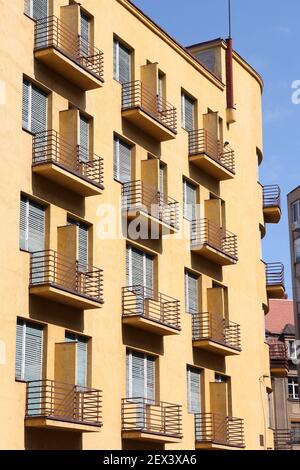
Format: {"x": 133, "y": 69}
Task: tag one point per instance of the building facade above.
{"x": 133, "y": 290}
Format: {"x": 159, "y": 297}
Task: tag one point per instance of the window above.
{"x": 189, "y": 200}
{"x": 221, "y": 378}
{"x": 187, "y": 112}
{"x": 34, "y": 111}
{"x": 32, "y": 225}
{"x": 140, "y": 375}
{"x": 191, "y": 293}
{"x": 85, "y": 28}
{"x": 296, "y": 211}
{"x": 292, "y": 350}
{"x": 84, "y": 139}
{"x": 122, "y": 62}
{"x": 122, "y": 161}
{"x": 139, "y": 268}
{"x": 194, "y": 390}
{"x": 297, "y": 250}
{"x": 293, "y": 388}
{"x": 36, "y": 9}
{"x": 82, "y": 244}
{"x": 295, "y": 430}
{"x": 81, "y": 359}
{"x": 29, "y": 351}
{"x": 162, "y": 180}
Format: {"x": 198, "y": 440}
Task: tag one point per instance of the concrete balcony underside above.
{"x": 213, "y": 254}
{"x": 211, "y": 166}
{"x": 64, "y": 296}
{"x": 279, "y": 371}
{"x": 151, "y": 126}
{"x": 150, "y": 437}
{"x": 276, "y": 291}
{"x": 148, "y": 324}
{"x": 216, "y": 446}
{"x": 272, "y": 215}
{"x": 60, "y": 425}
{"x": 216, "y": 347}
{"x": 149, "y": 222}
{"x": 68, "y": 179}
{"x": 69, "y": 69}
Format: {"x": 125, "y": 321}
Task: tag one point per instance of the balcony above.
{"x": 71, "y": 166}
{"x": 68, "y": 54}
{"x": 150, "y": 420}
{"x": 208, "y": 154}
{"x": 149, "y": 112}
{"x": 271, "y": 204}
{"x": 279, "y": 365}
{"x": 275, "y": 280}
{"x": 215, "y": 432}
{"x": 216, "y": 334}
{"x": 56, "y": 405}
{"x": 155, "y": 312}
{"x": 58, "y": 278}
{"x": 282, "y": 439}
{"x": 213, "y": 242}
{"x": 158, "y": 213}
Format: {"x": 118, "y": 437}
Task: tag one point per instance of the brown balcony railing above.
{"x": 154, "y": 306}
{"x": 136, "y": 195}
{"x": 51, "y": 268}
{"x": 150, "y": 416}
{"x": 218, "y": 429}
{"x": 49, "y": 147}
{"x": 136, "y": 95}
{"x": 278, "y": 356}
{"x": 271, "y": 196}
{"x": 283, "y": 439}
{"x": 205, "y": 232}
{"x": 52, "y": 32}
{"x": 202, "y": 141}
{"x": 63, "y": 402}
{"x": 207, "y": 327}
{"x": 275, "y": 274}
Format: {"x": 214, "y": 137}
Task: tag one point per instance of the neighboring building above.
{"x": 280, "y": 334}
{"x": 164, "y": 348}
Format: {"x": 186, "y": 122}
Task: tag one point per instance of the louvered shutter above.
{"x": 84, "y": 35}
{"x": 23, "y": 223}
{"x": 81, "y": 361}
{"x": 38, "y": 110}
{"x": 138, "y": 375}
{"x": 116, "y": 65}
{"x": 162, "y": 180}
{"x": 26, "y": 105}
{"x": 194, "y": 390}
{"x": 191, "y": 293}
{"x": 124, "y": 64}
{"x": 189, "y": 200}
{"x": 137, "y": 268}
{"x": 83, "y": 247}
{"x": 33, "y": 352}
{"x": 20, "y": 349}
{"x": 188, "y": 113}
{"x": 150, "y": 378}
{"x": 148, "y": 275}
{"x": 36, "y": 227}
{"x": 39, "y": 9}
{"x": 124, "y": 162}
{"x": 84, "y": 131}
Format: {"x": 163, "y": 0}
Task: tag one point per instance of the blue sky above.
{"x": 265, "y": 34}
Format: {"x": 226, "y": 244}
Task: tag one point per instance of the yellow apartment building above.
{"x": 133, "y": 290}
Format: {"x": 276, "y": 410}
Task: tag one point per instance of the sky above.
{"x": 265, "y": 34}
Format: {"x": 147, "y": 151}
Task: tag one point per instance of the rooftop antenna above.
{"x": 229, "y": 18}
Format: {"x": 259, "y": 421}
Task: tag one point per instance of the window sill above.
{"x": 30, "y": 17}
{"x": 28, "y": 131}
{"x": 24, "y": 251}
{"x": 21, "y": 381}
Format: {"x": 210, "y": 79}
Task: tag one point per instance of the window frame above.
{"x": 29, "y": 200}
{"x": 116, "y": 158}
{"x": 200, "y": 372}
{"x": 116, "y": 57}
{"x": 186, "y": 96}
{"x": 42, "y": 90}
{"x": 294, "y": 386}
{"x": 26, "y": 322}
{"x": 129, "y": 375}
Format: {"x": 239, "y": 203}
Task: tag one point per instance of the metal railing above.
{"x": 136, "y": 95}
{"x": 271, "y": 196}
{"x": 275, "y": 274}
{"x": 63, "y": 402}
{"x": 282, "y": 439}
{"x": 51, "y": 268}
{"x": 207, "y": 326}
{"x": 152, "y": 305}
{"x": 218, "y": 429}
{"x": 205, "y": 232}
{"x": 137, "y": 196}
{"x": 49, "y": 147}
{"x": 203, "y": 141}
{"x": 150, "y": 416}
{"x": 278, "y": 356}
{"x": 52, "y": 32}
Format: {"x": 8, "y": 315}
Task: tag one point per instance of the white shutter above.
{"x": 194, "y": 390}
{"x": 188, "y": 113}
{"x": 137, "y": 268}
{"x": 189, "y": 200}
{"x": 138, "y": 375}
{"x": 191, "y": 293}
{"x": 84, "y": 133}
{"x": 26, "y": 107}
{"x": 124, "y": 64}
{"x": 39, "y": 9}
{"x": 162, "y": 180}
{"x": 82, "y": 243}
{"x": 33, "y": 352}
{"x": 122, "y": 161}
{"x": 36, "y": 227}
{"x": 81, "y": 356}
{"x": 84, "y": 34}
{"x": 116, "y": 59}
{"x": 148, "y": 275}
{"x": 150, "y": 378}
{"x": 20, "y": 343}
{"x": 38, "y": 110}
{"x": 23, "y": 223}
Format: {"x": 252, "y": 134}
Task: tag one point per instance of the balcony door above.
{"x": 82, "y": 244}
{"x": 84, "y": 139}
{"x": 139, "y": 276}
{"x": 81, "y": 357}
{"x": 85, "y": 35}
